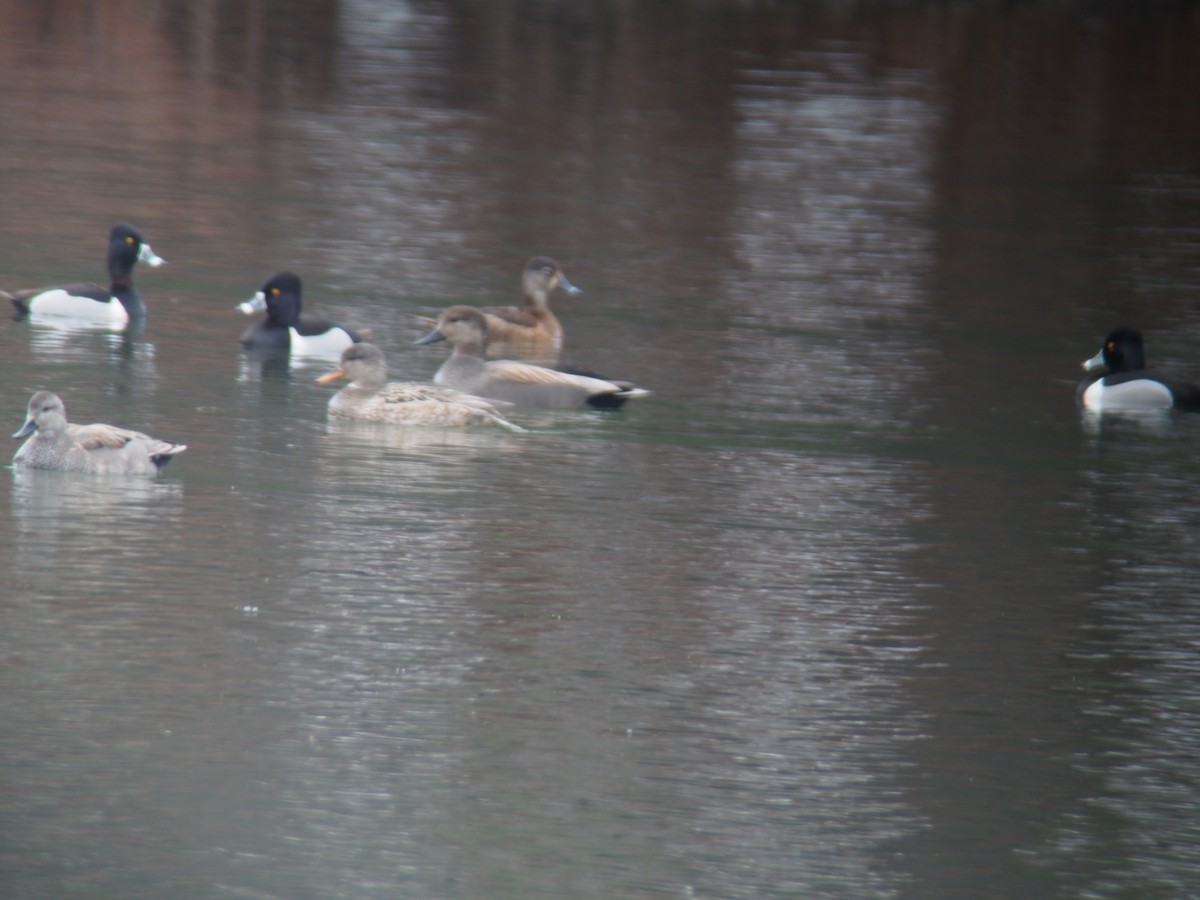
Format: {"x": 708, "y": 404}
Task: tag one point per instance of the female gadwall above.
{"x": 92, "y": 304}
{"x": 371, "y": 398}
{"x": 520, "y": 383}
{"x": 286, "y": 328}
{"x": 103, "y": 449}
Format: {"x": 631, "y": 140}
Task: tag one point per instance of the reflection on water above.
{"x": 832, "y": 226}
{"x": 856, "y": 604}
{"x": 1154, "y": 422}
{"x": 1139, "y": 647}
{"x": 68, "y": 503}
{"x": 82, "y": 529}
{"x": 124, "y": 351}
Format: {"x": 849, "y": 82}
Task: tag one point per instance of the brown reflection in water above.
{"x": 124, "y": 114}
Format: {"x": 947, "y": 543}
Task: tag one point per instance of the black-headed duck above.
{"x": 1120, "y": 379}
{"x": 93, "y": 305}
{"x": 285, "y": 327}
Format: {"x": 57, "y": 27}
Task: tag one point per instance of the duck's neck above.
{"x": 471, "y": 348}
{"x": 370, "y": 383}
{"x": 464, "y": 364}
{"x": 537, "y": 301}
{"x": 124, "y": 291}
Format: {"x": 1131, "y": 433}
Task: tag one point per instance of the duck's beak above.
{"x": 432, "y": 338}
{"x": 27, "y": 429}
{"x": 257, "y": 303}
{"x": 566, "y": 285}
{"x": 332, "y": 376}
{"x": 150, "y": 258}
{"x": 1095, "y": 364}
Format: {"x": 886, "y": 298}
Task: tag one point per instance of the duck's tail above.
{"x": 504, "y": 423}
{"x": 162, "y": 454}
{"x": 19, "y": 301}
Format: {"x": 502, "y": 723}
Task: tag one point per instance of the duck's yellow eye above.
{"x": 130, "y": 241}
{"x": 275, "y": 292}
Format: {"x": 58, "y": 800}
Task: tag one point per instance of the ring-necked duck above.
{"x": 54, "y": 443}
{"x": 286, "y": 328}
{"x": 370, "y": 397}
{"x": 1121, "y": 380}
{"x": 531, "y": 331}
{"x": 93, "y": 304}
{"x": 520, "y": 383}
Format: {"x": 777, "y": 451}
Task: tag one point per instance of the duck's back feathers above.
{"x": 85, "y": 289}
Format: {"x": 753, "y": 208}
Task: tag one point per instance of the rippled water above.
{"x": 855, "y": 605}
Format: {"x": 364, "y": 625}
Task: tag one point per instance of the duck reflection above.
{"x": 1153, "y": 422}
{"x": 124, "y": 351}
{"x": 351, "y": 442}
{"x": 88, "y": 519}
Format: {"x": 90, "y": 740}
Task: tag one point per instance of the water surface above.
{"x": 857, "y": 604}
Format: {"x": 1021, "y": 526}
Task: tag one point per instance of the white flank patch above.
{"x": 330, "y": 344}
{"x": 1141, "y": 394}
{"x": 58, "y": 304}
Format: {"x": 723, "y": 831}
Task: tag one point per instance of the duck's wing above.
{"x": 431, "y": 404}
{"x": 80, "y": 289}
{"x": 98, "y": 436}
{"x": 509, "y": 315}
{"x": 602, "y": 392}
{"x": 396, "y": 393}
{"x": 514, "y": 372}
{"x": 91, "y": 290}
{"x": 1186, "y": 394}
{"x": 109, "y": 437}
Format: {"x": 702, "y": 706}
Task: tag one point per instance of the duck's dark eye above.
{"x": 1110, "y": 345}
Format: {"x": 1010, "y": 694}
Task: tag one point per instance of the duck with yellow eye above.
{"x": 89, "y": 305}
{"x": 286, "y": 328}
{"x": 1120, "y": 380}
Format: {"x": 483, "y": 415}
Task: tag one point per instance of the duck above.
{"x": 531, "y": 331}
{"x": 520, "y": 383}
{"x": 286, "y": 328}
{"x": 55, "y": 443}
{"x": 1120, "y": 380}
{"x": 90, "y": 304}
{"x": 370, "y": 397}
